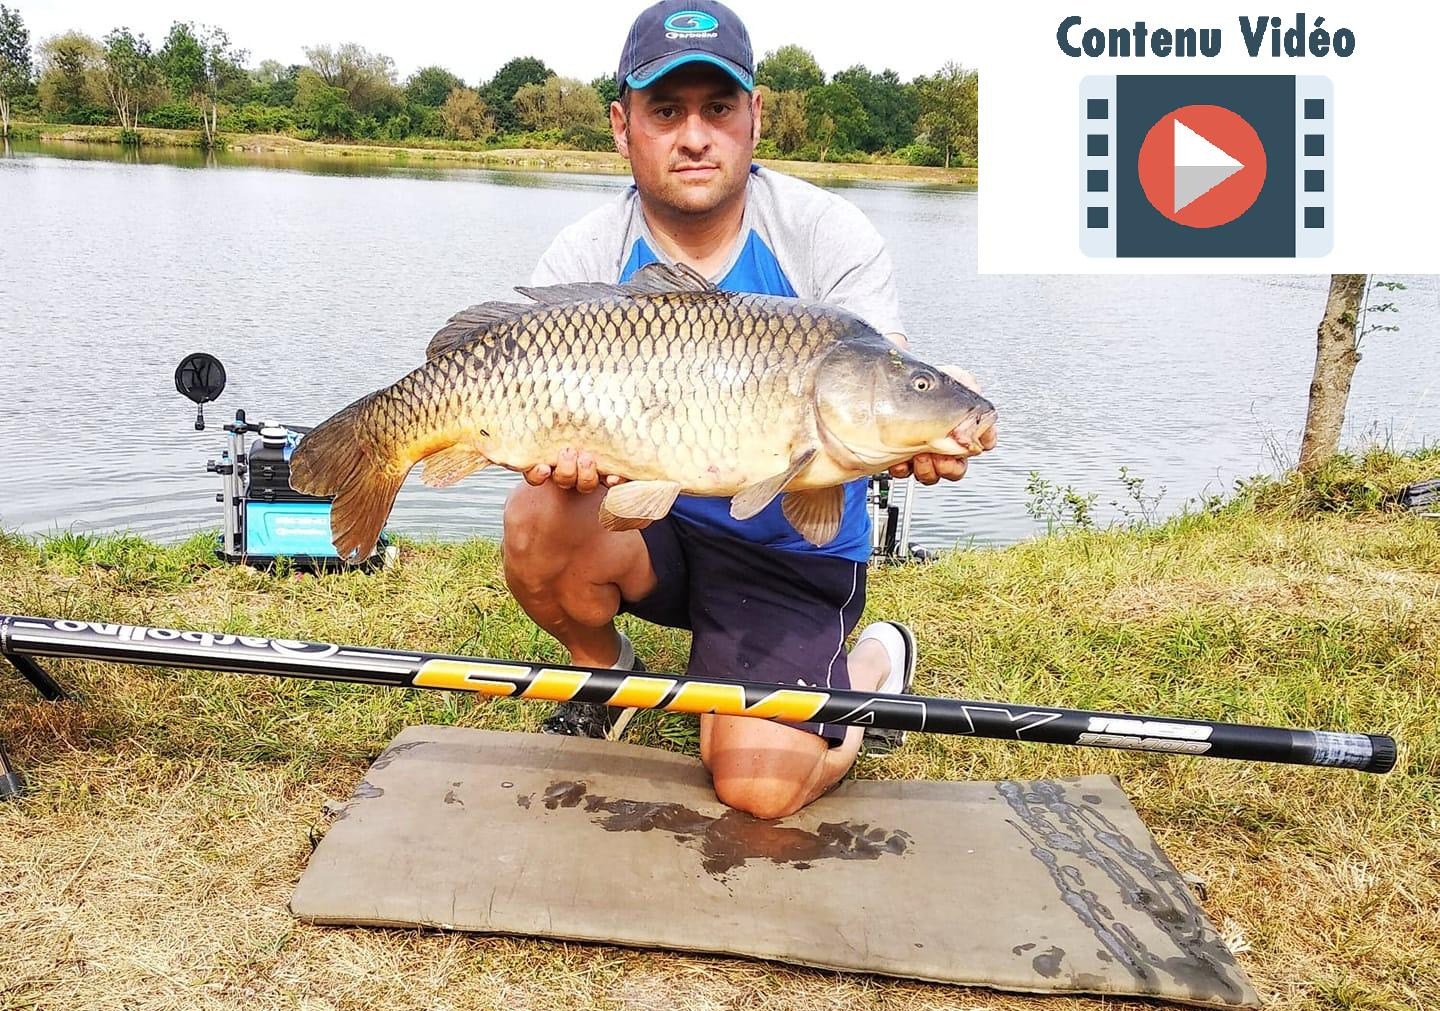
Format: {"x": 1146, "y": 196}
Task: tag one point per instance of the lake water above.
{"x": 318, "y": 281}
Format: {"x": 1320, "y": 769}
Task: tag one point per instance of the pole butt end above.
{"x": 1383, "y": 755}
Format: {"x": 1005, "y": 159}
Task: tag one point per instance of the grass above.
{"x": 171, "y": 812}
{"x": 473, "y": 154}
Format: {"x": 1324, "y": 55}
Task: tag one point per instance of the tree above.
{"x": 835, "y": 118}
{"x": 199, "y": 64}
{"x": 789, "y": 68}
{"x": 368, "y": 79}
{"x": 431, "y": 86}
{"x": 1335, "y": 360}
{"x": 784, "y": 120}
{"x": 557, "y": 104}
{"x": 465, "y": 116}
{"x": 273, "y": 83}
{"x": 890, "y": 107}
{"x": 949, "y": 103}
{"x": 499, "y": 92}
{"x": 16, "y": 72}
{"x": 322, "y": 107}
{"x": 70, "y": 78}
{"x": 181, "y": 61}
{"x": 130, "y": 74}
{"x": 269, "y": 73}
{"x": 607, "y": 89}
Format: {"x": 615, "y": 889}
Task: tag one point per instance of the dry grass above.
{"x": 171, "y": 812}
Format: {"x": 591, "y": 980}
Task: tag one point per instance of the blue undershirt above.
{"x": 757, "y": 271}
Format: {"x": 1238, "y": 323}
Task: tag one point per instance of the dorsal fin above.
{"x": 664, "y": 278}
{"x": 651, "y": 279}
{"x": 579, "y": 291}
{"x": 468, "y": 324}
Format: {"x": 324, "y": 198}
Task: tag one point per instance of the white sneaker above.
{"x": 899, "y": 643}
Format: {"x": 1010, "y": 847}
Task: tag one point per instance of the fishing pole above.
{"x": 23, "y": 638}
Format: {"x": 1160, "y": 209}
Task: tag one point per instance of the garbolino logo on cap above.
{"x": 673, "y": 33}
{"x": 689, "y": 23}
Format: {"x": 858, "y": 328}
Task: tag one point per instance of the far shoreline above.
{"x": 476, "y": 156}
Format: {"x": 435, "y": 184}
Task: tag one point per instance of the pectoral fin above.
{"x": 635, "y": 503}
{"x": 451, "y": 464}
{"x": 816, "y": 514}
{"x": 755, "y": 497}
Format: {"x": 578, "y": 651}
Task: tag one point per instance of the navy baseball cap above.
{"x": 672, "y": 33}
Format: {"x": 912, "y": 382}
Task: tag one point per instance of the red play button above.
{"x": 1202, "y": 166}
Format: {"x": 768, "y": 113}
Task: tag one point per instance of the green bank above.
{"x": 273, "y": 149}
{"x": 171, "y": 811}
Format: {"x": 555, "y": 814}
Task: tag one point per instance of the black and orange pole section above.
{"x": 24, "y": 638}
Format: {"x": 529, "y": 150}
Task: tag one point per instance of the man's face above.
{"x": 690, "y": 137}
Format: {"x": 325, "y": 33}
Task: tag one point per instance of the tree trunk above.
{"x": 119, "y": 100}
{"x": 1335, "y": 361}
{"x": 4, "y": 116}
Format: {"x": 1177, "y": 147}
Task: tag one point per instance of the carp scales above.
{"x": 668, "y": 382}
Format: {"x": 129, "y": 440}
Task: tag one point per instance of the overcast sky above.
{"x": 576, "y": 38}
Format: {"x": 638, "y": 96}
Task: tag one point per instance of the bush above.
{"x": 26, "y": 106}
{"x": 255, "y": 118}
{"x": 766, "y": 148}
{"x": 428, "y": 122}
{"x": 588, "y": 138}
{"x": 532, "y": 138}
{"x": 398, "y": 127}
{"x": 175, "y": 116}
{"x": 921, "y": 154}
{"x": 90, "y": 115}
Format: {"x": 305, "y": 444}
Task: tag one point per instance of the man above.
{"x": 761, "y": 602}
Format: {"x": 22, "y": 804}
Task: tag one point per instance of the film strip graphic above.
{"x": 1206, "y": 166}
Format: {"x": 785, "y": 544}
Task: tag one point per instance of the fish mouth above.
{"x": 965, "y": 439}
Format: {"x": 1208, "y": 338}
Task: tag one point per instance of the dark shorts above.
{"x": 756, "y": 613}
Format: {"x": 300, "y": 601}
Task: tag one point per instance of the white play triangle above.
{"x": 1200, "y": 166}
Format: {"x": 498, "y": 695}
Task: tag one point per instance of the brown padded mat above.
{"x": 1053, "y": 885}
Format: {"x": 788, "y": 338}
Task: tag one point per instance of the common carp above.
{"x": 668, "y": 381}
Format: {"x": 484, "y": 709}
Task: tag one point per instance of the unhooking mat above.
{"x": 1053, "y": 885}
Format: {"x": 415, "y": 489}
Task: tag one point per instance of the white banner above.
{"x": 1203, "y": 138}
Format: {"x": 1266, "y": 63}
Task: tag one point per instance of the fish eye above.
{"x": 922, "y": 382}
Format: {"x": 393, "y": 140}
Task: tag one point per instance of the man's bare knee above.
{"x": 556, "y": 555}
{"x": 538, "y": 521}
{"x": 763, "y": 798}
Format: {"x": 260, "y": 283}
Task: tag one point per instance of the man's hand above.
{"x": 574, "y": 471}
{"x": 931, "y": 468}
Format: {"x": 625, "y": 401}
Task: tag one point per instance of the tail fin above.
{"x": 336, "y": 458}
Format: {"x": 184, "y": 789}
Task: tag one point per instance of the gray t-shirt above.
{"x": 795, "y": 240}
{"x": 794, "y": 236}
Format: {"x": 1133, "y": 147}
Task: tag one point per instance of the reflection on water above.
{"x": 323, "y": 281}
{"x": 414, "y": 164}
